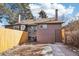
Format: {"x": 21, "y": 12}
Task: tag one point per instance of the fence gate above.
{"x": 57, "y": 35}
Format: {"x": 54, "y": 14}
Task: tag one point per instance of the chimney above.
{"x": 56, "y": 14}
{"x": 19, "y": 20}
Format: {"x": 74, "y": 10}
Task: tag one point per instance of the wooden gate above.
{"x": 58, "y": 35}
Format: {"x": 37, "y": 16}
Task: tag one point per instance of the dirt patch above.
{"x": 29, "y": 50}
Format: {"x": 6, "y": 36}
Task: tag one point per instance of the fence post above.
{"x": 65, "y": 38}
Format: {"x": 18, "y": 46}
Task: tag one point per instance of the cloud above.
{"x": 69, "y": 10}
{"x": 35, "y": 9}
{"x": 62, "y": 10}
{"x": 50, "y": 9}
{"x": 77, "y": 15}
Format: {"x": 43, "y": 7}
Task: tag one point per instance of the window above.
{"x": 16, "y": 27}
{"x": 44, "y": 26}
{"x": 22, "y": 27}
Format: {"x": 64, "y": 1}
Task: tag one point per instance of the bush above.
{"x": 73, "y": 38}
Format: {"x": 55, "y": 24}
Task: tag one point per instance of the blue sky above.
{"x": 75, "y": 13}
{"x": 76, "y": 5}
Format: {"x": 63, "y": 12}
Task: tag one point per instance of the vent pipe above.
{"x": 19, "y": 20}
{"x": 56, "y": 14}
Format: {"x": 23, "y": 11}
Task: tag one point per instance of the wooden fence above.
{"x": 10, "y": 38}
{"x": 63, "y": 35}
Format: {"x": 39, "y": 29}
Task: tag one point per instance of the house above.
{"x": 45, "y": 30}
{"x": 42, "y": 30}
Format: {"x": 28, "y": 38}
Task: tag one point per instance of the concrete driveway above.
{"x": 59, "y": 49}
